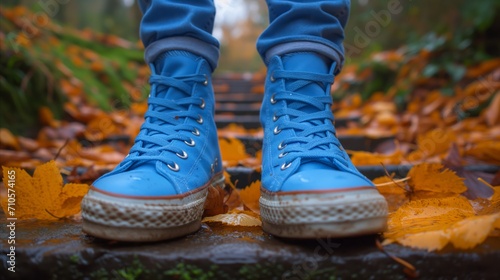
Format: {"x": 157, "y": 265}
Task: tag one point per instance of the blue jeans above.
{"x": 295, "y": 25}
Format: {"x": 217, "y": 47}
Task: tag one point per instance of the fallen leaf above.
{"x": 232, "y": 150}
{"x": 435, "y": 178}
{"x": 250, "y": 196}
{"x": 487, "y": 151}
{"x": 367, "y": 158}
{"x": 235, "y": 218}
{"x": 42, "y": 196}
{"x": 214, "y": 204}
{"x": 427, "y": 215}
{"x": 468, "y": 233}
{"x": 8, "y": 140}
{"x": 429, "y": 240}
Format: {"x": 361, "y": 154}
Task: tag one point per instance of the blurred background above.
{"x": 54, "y": 51}
{"x": 239, "y": 23}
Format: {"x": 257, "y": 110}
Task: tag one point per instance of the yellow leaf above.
{"x": 468, "y": 233}
{"x": 427, "y": 215}
{"x": 235, "y": 218}
{"x": 42, "y": 194}
{"x": 433, "y": 177}
{"x": 430, "y": 240}
{"x": 464, "y": 234}
{"x": 367, "y": 158}
{"x": 250, "y": 196}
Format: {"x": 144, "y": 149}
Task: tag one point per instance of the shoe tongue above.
{"x": 175, "y": 64}
{"x": 311, "y": 63}
{"x": 307, "y": 62}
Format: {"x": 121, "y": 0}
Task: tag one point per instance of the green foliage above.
{"x": 99, "y": 69}
{"x": 188, "y": 272}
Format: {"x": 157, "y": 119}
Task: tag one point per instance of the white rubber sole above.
{"x": 323, "y": 214}
{"x": 142, "y": 219}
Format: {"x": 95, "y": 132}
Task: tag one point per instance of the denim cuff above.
{"x": 301, "y": 46}
{"x": 208, "y": 51}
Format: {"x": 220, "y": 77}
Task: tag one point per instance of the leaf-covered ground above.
{"x": 441, "y": 121}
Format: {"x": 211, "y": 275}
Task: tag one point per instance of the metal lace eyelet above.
{"x": 191, "y": 142}
{"x": 184, "y": 155}
{"x": 282, "y": 155}
{"x": 196, "y": 132}
{"x": 276, "y": 130}
{"x": 206, "y": 80}
{"x": 271, "y": 78}
{"x": 285, "y": 165}
{"x": 199, "y": 120}
{"x": 281, "y": 146}
{"x": 174, "y": 168}
{"x": 202, "y": 105}
{"x": 272, "y": 100}
{"x": 275, "y": 118}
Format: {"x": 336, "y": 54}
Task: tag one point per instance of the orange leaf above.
{"x": 7, "y": 139}
{"x": 468, "y": 233}
{"x": 487, "y": 151}
{"x": 47, "y": 118}
{"x": 250, "y": 196}
{"x": 435, "y": 178}
{"x": 367, "y": 158}
{"x": 434, "y": 142}
{"x": 427, "y": 215}
{"x": 464, "y": 234}
{"x": 232, "y": 150}
{"x": 387, "y": 185}
{"x": 41, "y": 194}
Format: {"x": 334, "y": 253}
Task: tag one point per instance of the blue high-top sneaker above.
{"x": 158, "y": 191}
{"x": 310, "y": 188}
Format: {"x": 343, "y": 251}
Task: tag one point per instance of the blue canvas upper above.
{"x": 301, "y": 151}
{"x": 177, "y": 148}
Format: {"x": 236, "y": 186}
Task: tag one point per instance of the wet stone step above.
{"x": 60, "y": 250}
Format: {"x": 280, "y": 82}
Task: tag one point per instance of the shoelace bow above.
{"x": 311, "y": 142}
{"x": 164, "y": 121}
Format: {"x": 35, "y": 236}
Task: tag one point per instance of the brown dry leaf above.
{"x": 427, "y": 215}
{"x": 214, "y": 204}
{"x": 43, "y": 193}
{"x": 367, "y": 158}
{"x": 235, "y": 218}
{"x": 435, "y": 178}
{"x": 250, "y": 196}
{"x": 7, "y": 139}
